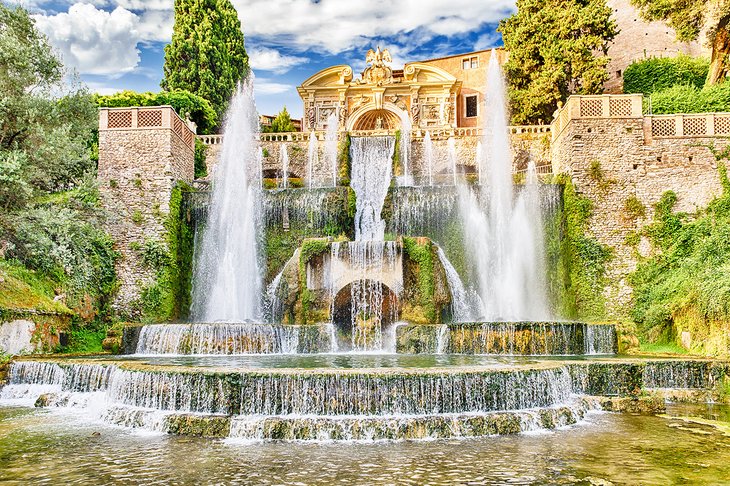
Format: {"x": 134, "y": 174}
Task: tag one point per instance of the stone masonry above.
{"x": 612, "y": 152}
{"x": 143, "y": 153}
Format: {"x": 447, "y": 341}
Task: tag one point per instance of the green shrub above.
{"x": 633, "y": 208}
{"x": 201, "y": 166}
{"x": 689, "y": 99}
{"x": 658, "y": 73}
{"x": 186, "y": 104}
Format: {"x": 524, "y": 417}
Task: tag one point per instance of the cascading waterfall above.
{"x": 463, "y": 302}
{"x": 600, "y": 339}
{"x": 330, "y": 146}
{"x": 428, "y": 156}
{"x": 312, "y": 159}
{"x": 232, "y": 339}
{"x": 227, "y": 279}
{"x": 284, "y": 161}
{"x": 371, "y": 175}
{"x": 504, "y": 240}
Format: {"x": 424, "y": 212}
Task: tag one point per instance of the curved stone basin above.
{"x": 345, "y": 397}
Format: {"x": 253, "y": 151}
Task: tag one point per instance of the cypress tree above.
{"x": 207, "y": 54}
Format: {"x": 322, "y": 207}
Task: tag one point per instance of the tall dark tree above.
{"x": 207, "y": 54}
{"x": 556, "y": 48}
{"x": 688, "y": 18}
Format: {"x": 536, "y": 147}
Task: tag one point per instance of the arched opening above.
{"x": 378, "y": 120}
{"x": 361, "y": 310}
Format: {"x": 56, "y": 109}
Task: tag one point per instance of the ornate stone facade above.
{"x": 430, "y": 94}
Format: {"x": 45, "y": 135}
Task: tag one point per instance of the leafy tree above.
{"x": 552, "y": 48}
{"x": 45, "y": 126}
{"x": 207, "y": 54}
{"x": 688, "y": 18}
{"x": 185, "y": 103}
{"x": 282, "y": 122}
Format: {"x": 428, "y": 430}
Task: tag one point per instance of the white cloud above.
{"x": 336, "y": 26}
{"x": 486, "y": 41}
{"x": 263, "y": 86}
{"x": 94, "y": 41}
{"x": 267, "y": 59}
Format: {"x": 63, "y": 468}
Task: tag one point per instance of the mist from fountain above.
{"x": 451, "y": 144}
{"x": 312, "y": 159}
{"x": 330, "y": 146}
{"x": 227, "y": 279}
{"x": 503, "y": 234}
{"x": 405, "y": 148}
{"x": 283, "y": 183}
{"x": 428, "y": 156}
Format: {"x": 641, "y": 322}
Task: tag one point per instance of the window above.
{"x": 471, "y": 103}
{"x": 470, "y": 63}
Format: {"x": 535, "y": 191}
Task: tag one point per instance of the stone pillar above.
{"x": 143, "y": 154}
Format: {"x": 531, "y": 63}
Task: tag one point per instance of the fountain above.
{"x": 368, "y": 324}
{"x": 227, "y": 283}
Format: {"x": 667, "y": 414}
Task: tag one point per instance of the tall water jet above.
{"x": 405, "y": 150}
{"x": 284, "y": 161}
{"x": 428, "y": 156}
{"x": 504, "y": 237}
{"x": 312, "y": 158}
{"x": 227, "y": 279}
{"x": 330, "y": 146}
{"x": 451, "y": 144}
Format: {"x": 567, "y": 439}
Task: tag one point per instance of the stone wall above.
{"x": 138, "y": 168}
{"x": 613, "y": 158}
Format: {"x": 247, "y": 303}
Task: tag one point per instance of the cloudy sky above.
{"x": 118, "y": 44}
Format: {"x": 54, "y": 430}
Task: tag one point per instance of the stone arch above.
{"x": 370, "y": 111}
{"x": 342, "y": 306}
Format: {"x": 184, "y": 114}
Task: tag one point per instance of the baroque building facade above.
{"x": 435, "y": 94}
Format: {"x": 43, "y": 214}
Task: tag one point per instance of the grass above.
{"x": 84, "y": 341}
{"x": 22, "y": 289}
{"x": 661, "y": 348}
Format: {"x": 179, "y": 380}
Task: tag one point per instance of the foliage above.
{"x": 422, "y": 254}
{"x": 582, "y": 260}
{"x": 282, "y": 123}
{"x": 185, "y": 104}
{"x": 552, "y": 53}
{"x": 84, "y": 340}
{"x": 45, "y": 123}
{"x": 169, "y": 296}
{"x": 634, "y": 208}
{"x": 207, "y": 54}
{"x": 60, "y": 237}
{"x": 689, "y": 19}
{"x": 685, "y": 284}
{"x": 689, "y": 99}
{"x": 657, "y": 73}
{"x": 201, "y": 167}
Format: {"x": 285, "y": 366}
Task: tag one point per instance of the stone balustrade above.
{"x": 146, "y": 118}
{"x": 596, "y": 106}
{"x": 436, "y": 134}
{"x": 687, "y": 125}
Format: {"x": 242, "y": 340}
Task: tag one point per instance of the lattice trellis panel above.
{"x": 119, "y": 119}
{"x": 188, "y": 137}
{"x": 149, "y": 118}
{"x": 694, "y": 126}
{"x": 722, "y": 125}
{"x": 591, "y": 108}
{"x": 177, "y": 126}
{"x": 620, "y": 107}
{"x": 663, "y": 127}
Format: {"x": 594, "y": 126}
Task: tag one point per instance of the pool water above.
{"x": 61, "y": 447}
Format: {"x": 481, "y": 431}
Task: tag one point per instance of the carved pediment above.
{"x": 378, "y": 73}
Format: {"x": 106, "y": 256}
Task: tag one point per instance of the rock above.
{"x": 644, "y": 405}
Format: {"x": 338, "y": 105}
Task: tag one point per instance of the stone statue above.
{"x": 378, "y": 72}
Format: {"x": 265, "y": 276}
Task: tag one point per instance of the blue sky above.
{"x": 118, "y": 44}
